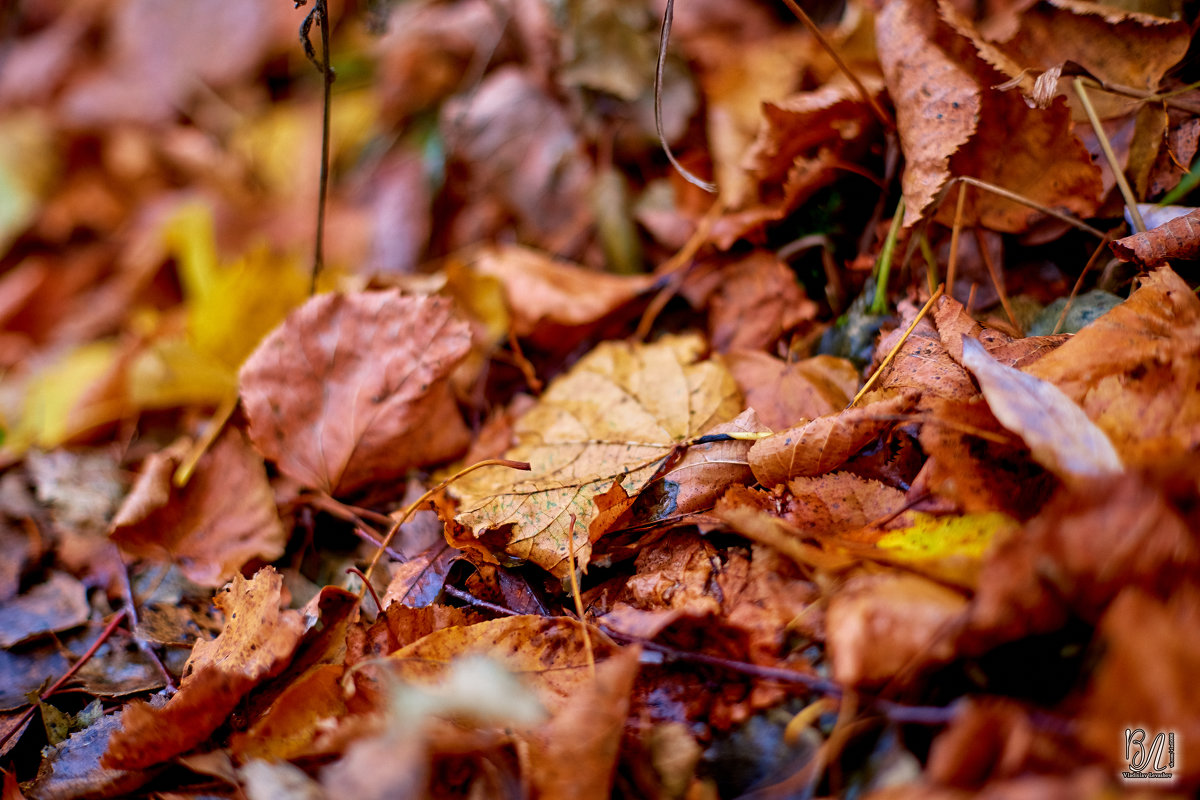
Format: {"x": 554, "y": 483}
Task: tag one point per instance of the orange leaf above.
{"x": 353, "y": 389}
{"x": 224, "y": 517}
{"x": 824, "y": 444}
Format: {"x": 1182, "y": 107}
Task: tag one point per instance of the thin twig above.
{"x": 46, "y": 695}
{"x": 583, "y": 626}
{"x": 1102, "y": 248}
{"x": 1114, "y": 165}
{"x": 1000, "y": 191}
{"x": 896, "y": 349}
{"x": 320, "y": 17}
{"x": 370, "y": 588}
{"x": 664, "y": 36}
{"x": 952, "y": 264}
{"x": 897, "y": 712}
{"x": 412, "y": 507}
{"x": 884, "y": 118}
{"x": 991, "y": 268}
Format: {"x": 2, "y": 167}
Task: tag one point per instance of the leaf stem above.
{"x": 896, "y": 349}
{"x": 412, "y": 507}
{"x": 1118, "y": 173}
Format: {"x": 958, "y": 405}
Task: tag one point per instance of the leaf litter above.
{"x": 726, "y": 573}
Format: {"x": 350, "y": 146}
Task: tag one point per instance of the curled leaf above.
{"x": 1058, "y": 432}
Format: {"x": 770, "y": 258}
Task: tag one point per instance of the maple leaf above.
{"x": 353, "y": 389}
{"x": 615, "y": 416}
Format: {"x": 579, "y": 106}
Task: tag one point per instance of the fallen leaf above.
{"x": 675, "y": 573}
{"x": 1152, "y": 693}
{"x": 519, "y": 147}
{"x": 158, "y": 53}
{"x": 1158, "y": 324}
{"x": 547, "y": 654}
{"x": 1103, "y": 536}
{"x": 578, "y": 747}
{"x": 352, "y": 389}
{"x": 756, "y": 301}
{"x": 257, "y": 642}
{"x": 887, "y": 627}
{"x": 546, "y": 295}
{"x": 221, "y": 519}
{"x": 784, "y": 392}
{"x": 1058, "y": 432}
{"x": 56, "y": 604}
{"x": 289, "y": 727}
{"x": 823, "y": 444}
{"x": 838, "y": 502}
{"x": 615, "y": 416}
{"x": 937, "y": 100}
{"x": 72, "y": 768}
{"x": 706, "y": 470}
{"x": 995, "y": 742}
{"x": 418, "y": 582}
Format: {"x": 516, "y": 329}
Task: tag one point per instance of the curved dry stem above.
{"x": 664, "y": 36}
{"x": 412, "y": 507}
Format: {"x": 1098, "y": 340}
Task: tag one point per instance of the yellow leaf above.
{"x": 171, "y": 373}
{"x": 616, "y": 415}
{"x": 27, "y": 167}
{"x": 939, "y": 537}
{"x": 230, "y": 307}
{"x": 60, "y": 402}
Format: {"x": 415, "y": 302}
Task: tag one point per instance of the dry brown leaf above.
{"x": 937, "y": 100}
{"x": 616, "y": 415}
{"x": 546, "y": 295}
{"x": 823, "y": 444}
{"x": 994, "y": 740}
{"x": 1057, "y": 431}
{"x": 923, "y": 364}
{"x": 257, "y": 642}
{"x": 973, "y": 462}
{"x": 1100, "y": 538}
{"x": 547, "y": 653}
{"x": 952, "y": 122}
{"x": 768, "y": 530}
{"x": 159, "y": 53}
{"x": 352, "y": 389}
{"x": 418, "y": 581}
{"x": 290, "y": 725}
{"x": 783, "y": 393}
{"x": 839, "y": 502}
{"x": 676, "y": 574}
{"x": 756, "y": 301}
{"x": 1135, "y": 369}
{"x": 56, "y": 604}
{"x": 576, "y": 750}
{"x": 883, "y": 627}
{"x": 1153, "y": 693}
{"x": 519, "y": 147}
{"x": 801, "y": 140}
{"x": 706, "y": 470}
{"x": 221, "y": 519}
{"x": 1178, "y": 238}
{"x": 1115, "y": 46}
